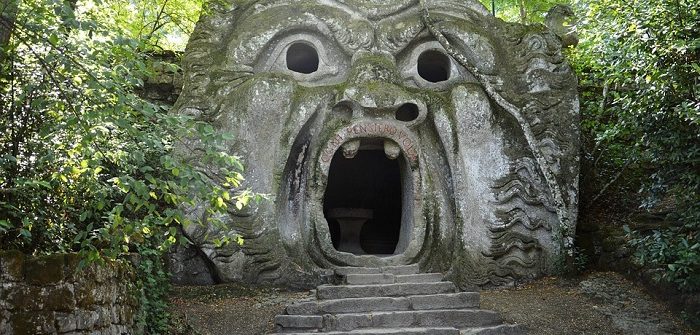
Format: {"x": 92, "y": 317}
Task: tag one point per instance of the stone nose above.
{"x": 374, "y": 91}
{"x": 373, "y": 67}
{"x": 377, "y": 100}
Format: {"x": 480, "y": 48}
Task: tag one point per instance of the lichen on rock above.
{"x": 385, "y": 134}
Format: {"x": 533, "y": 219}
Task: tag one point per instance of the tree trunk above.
{"x": 8, "y": 13}
{"x": 523, "y": 12}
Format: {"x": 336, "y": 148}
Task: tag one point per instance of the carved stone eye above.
{"x": 434, "y": 66}
{"x": 302, "y": 58}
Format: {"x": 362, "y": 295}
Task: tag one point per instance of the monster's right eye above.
{"x": 302, "y": 58}
{"x": 310, "y": 58}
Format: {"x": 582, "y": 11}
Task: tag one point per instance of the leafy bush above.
{"x": 86, "y": 164}
{"x": 638, "y": 66}
{"x": 678, "y": 258}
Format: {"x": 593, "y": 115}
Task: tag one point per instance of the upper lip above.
{"x": 396, "y": 139}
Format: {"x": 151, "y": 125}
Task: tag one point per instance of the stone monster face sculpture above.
{"x": 387, "y": 134}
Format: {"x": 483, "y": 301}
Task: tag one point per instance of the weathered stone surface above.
{"x": 419, "y": 278}
{"x": 44, "y": 270}
{"x": 380, "y": 278}
{"x": 561, "y": 20}
{"x": 396, "y": 331}
{"x": 436, "y": 318}
{"x": 54, "y": 297}
{"x": 32, "y": 323}
{"x": 350, "y": 305}
{"x": 440, "y": 301}
{"x": 386, "y": 290}
{"x": 11, "y": 265}
{"x": 408, "y": 310}
{"x": 299, "y": 321}
{"x": 189, "y": 266}
{"x": 66, "y": 322}
{"x": 496, "y": 330}
{"x": 438, "y": 136}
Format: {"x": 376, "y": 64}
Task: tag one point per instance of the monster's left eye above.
{"x": 302, "y": 58}
{"x": 434, "y": 66}
{"x": 428, "y": 65}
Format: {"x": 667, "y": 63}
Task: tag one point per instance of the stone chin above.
{"x": 378, "y": 148}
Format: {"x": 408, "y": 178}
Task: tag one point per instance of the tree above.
{"x": 638, "y": 65}
{"x": 525, "y": 12}
{"x": 86, "y": 164}
{"x": 8, "y": 12}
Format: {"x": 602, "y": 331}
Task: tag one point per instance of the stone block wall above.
{"x": 51, "y": 295}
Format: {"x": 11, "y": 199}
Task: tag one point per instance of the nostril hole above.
{"x": 407, "y": 112}
{"x": 343, "y": 110}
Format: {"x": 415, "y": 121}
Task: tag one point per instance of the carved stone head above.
{"x": 386, "y": 134}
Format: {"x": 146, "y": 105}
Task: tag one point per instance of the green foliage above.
{"x": 638, "y": 65}
{"x": 87, "y": 165}
{"x": 153, "y": 316}
{"x": 676, "y": 255}
{"x": 160, "y": 24}
{"x": 513, "y": 10}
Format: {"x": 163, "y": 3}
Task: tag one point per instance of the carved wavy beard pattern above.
{"x": 535, "y": 70}
{"x": 514, "y": 253}
{"x": 517, "y": 216}
{"x": 524, "y": 183}
{"x": 540, "y": 66}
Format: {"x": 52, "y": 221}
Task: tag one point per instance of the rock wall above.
{"x": 50, "y": 295}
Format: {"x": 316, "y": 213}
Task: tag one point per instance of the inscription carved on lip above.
{"x": 369, "y": 129}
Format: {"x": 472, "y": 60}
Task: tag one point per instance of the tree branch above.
{"x": 612, "y": 181}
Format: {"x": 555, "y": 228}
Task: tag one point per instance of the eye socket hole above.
{"x": 302, "y": 58}
{"x": 434, "y": 66}
{"x": 407, "y": 112}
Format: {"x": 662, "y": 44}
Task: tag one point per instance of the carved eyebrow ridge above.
{"x": 269, "y": 23}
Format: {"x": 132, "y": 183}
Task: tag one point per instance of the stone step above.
{"x": 389, "y": 278}
{"x": 446, "y": 301}
{"x": 298, "y": 322}
{"x": 504, "y": 329}
{"x": 420, "y": 278}
{"x": 459, "y": 300}
{"x": 455, "y": 318}
{"x": 369, "y": 278}
{"x": 391, "y": 331}
{"x": 384, "y": 290}
{"x": 397, "y": 270}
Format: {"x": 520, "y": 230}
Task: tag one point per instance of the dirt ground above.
{"x": 598, "y": 303}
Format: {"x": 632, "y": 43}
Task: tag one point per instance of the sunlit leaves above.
{"x": 88, "y": 165}
{"x": 159, "y": 24}
{"x": 509, "y": 10}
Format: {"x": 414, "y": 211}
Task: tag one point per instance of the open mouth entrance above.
{"x": 363, "y": 201}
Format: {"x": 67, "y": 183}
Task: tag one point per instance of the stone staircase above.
{"x": 392, "y": 300}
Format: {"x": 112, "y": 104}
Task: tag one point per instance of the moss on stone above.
{"x": 44, "y": 270}
{"x": 32, "y": 323}
{"x": 11, "y": 265}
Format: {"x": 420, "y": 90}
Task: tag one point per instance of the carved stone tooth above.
{"x": 350, "y": 148}
{"x": 391, "y": 149}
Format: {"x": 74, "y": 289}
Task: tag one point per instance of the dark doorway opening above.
{"x": 364, "y": 191}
